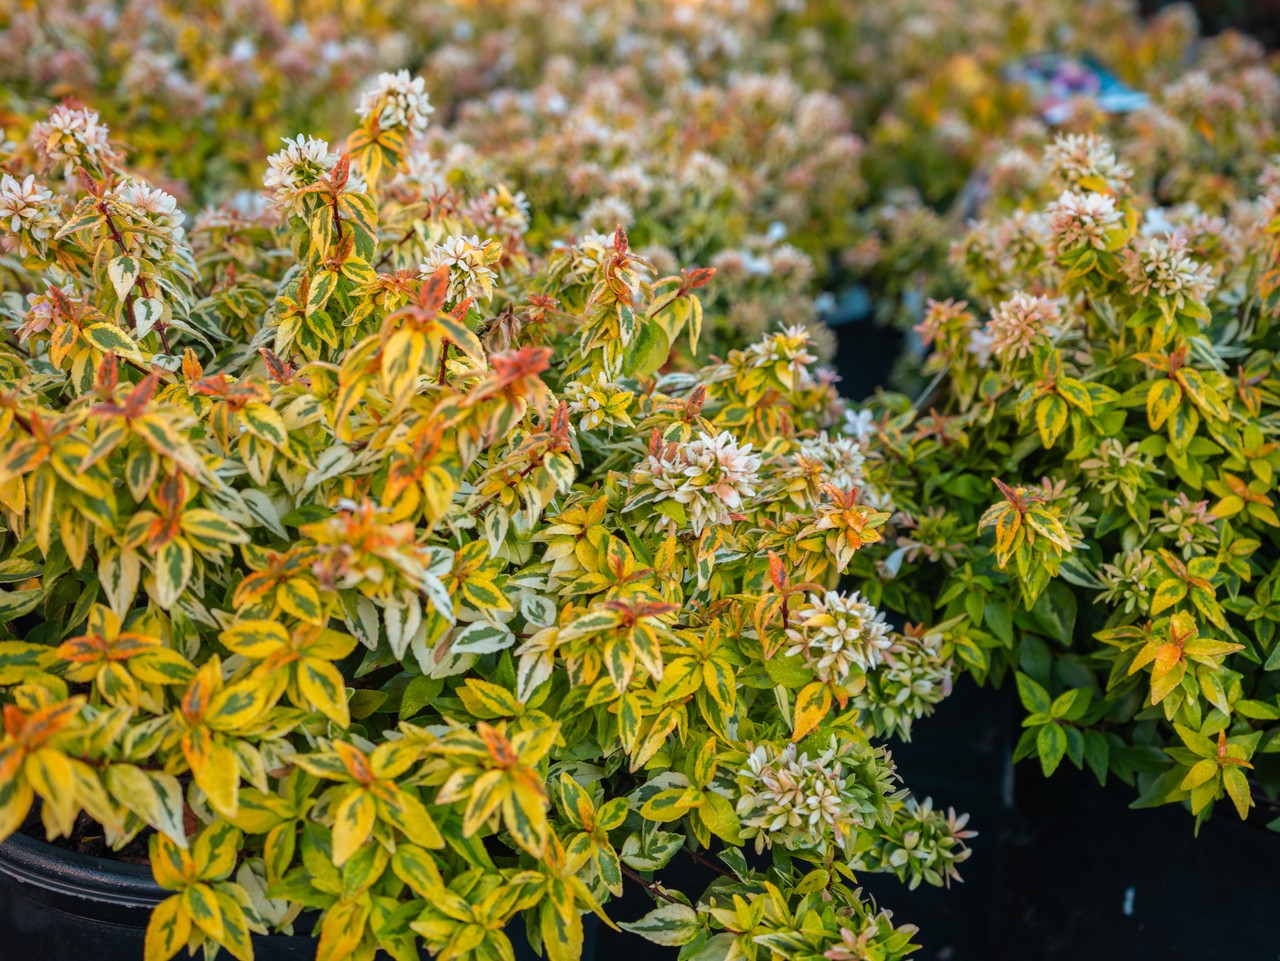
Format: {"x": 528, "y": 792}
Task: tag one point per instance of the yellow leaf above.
{"x": 167, "y": 931}
{"x": 15, "y": 801}
{"x": 1163, "y": 398}
{"x": 1051, "y": 418}
{"x": 322, "y": 685}
{"x": 235, "y": 928}
{"x": 402, "y": 359}
{"x": 49, "y": 774}
{"x": 218, "y": 776}
{"x": 525, "y": 816}
{"x": 1169, "y": 592}
{"x": 402, "y": 810}
{"x": 239, "y": 705}
{"x": 352, "y": 824}
{"x": 255, "y": 640}
{"x": 1008, "y": 529}
{"x": 302, "y": 600}
{"x": 1237, "y": 786}
{"x": 812, "y": 705}
{"x": 199, "y": 901}
{"x": 342, "y": 929}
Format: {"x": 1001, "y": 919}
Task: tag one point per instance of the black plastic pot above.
{"x": 56, "y": 905}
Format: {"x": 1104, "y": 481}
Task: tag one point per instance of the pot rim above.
{"x": 39, "y": 864}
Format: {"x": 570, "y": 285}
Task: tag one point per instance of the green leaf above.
{"x": 670, "y": 925}
{"x": 1237, "y": 786}
{"x": 1034, "y": 697}
{"x": 717, "y": 813}
{"x": 668, "y": 805}
{"x": 1051, "y": 745}
{"x": 109, "y": 337}
{"x": 154, "y": 797}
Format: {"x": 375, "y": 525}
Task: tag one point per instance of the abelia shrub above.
{"x": 1089, "y": 501}
{"x": 367, "y": 559}
{"x": 788, "y": 144}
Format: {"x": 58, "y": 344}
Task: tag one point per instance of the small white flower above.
{"x": 421, "y": 172}
{"x": 913, "y": 677}
{"x": 787, "y": 352}
{"x": 154, "y": 209}
{"x": 1161, "y": 265}
{"x": 981, "y": 346}
{"x": 73, "y": 137}
{"x": 801, "y": 802}
{"x": 1081, "y": 219}
{"x": 837, "y": 632}
{"x": 1074, "y": 158}
{"x": 607, "y": 214}
{"x": 710, "y": 476}
{"x": 1017, "y": 322}
{"x": 470, "y": 261}
{"x": 398, "y": 100}
{"x": 28, "y": 210}
{"x": 859, "y": 424}
{"x": 842, "y": 459}
{"x": 303, "y": 161}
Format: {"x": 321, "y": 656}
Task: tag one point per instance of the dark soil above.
{"x": 86, "y": 838}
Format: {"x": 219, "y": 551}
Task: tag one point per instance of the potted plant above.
{"x": 1092, "y": 495}
{"x": 371, "y": 573}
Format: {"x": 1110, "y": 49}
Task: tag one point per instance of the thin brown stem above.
{"x": 523, "y": 474}
{"x": 337, "y": 219}
{"x": 653, "y": 887}
{"x": 408, "y": 235}
{"x": 140, "y": 283}
{"x": 444, "y": 356}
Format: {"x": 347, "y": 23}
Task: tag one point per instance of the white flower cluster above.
{"x": 709, "y": 477}
{"x": 1017, "y": 322}
{"x": 1162, "y": 265}
{"x": 921, "y": 844}
{"x": 29, "y": 211}
{"x": 764, "y": 257}
{"x": 1077, "y": 158}
{"x": 860, "y": 424}
{"x": 72, "y": 137}
{"x": 1081, "y": 220}
{"x": 608, "y": 214}
{"x": 398, "y": 100}
{"x": 837, "y": 633}
{"x": 842, "y": 459}
{"x": 787, "y": 351}
{"x": 421, "y": 173}
{"x": 1007, "y": 248}
{"x": 470, "y": 261}
{"x": 915, "y": 675}
{"x": 507, "y": 211}
{"x": 154, "y": 216}
{"x": 788, "y": 798}
{"x": 302, "y": 162}
{"x": 1014, "y": 172}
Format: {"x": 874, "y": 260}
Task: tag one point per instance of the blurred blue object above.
{"x": 1059, "y": 82}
